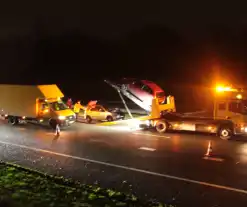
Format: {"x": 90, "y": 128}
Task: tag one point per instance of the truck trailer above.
{"x": 40, "y": 104}
{"x": 229, "y": 116}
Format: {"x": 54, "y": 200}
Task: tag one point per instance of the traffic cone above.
{"x": 209, "y": 150}
{"x": 57, "y": 132}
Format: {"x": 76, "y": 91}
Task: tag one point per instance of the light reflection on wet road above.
{"x": 180, "y": 156}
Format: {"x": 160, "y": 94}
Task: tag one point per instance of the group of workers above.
{"x": 77, "y": 106}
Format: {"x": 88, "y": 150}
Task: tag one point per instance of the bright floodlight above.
{"x": 239, "y": 96}
{"x": 222, "y": 88}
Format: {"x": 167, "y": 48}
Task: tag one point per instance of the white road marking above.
{"x": 147, "y": 148}
{"x": 131, "y": 169}
{"x": 213, "y": 159}
{"x": 153, "y": 135}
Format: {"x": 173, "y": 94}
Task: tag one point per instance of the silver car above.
{"x": 99, "y": 113}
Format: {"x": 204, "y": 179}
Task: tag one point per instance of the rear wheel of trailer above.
{"x": 161, "y": 126}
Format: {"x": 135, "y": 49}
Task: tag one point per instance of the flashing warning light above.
{"x": 239, "y": 96}
{"x": 222, "y": 88}
{"x": 219, "y": 88}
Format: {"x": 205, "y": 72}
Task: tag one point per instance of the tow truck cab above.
{"x": 231, "y": 104}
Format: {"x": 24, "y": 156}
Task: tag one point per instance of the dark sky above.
{"x": 74, "y": 43}
{"x": 116, "y": 18}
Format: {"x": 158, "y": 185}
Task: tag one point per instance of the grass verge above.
{"x": 21, "y": 186}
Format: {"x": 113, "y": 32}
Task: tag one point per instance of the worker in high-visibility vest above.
{"x": 77, "y": 108}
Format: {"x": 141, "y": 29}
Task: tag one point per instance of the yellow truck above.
{"x": 40, "y": 104}
{"x": 229, "y": 116}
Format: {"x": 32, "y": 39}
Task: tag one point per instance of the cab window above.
{"x": 235, "y": 107}
{"x": 222, "y": 106}
{"x": 44, "y": 106}
{"x": 58, "y": 106}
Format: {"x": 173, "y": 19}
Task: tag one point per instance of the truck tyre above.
{"x": 225, "y": 133}
{"x": 109, "y": 118}
{"x": 53, "y": 123}
{"x": 161, "y": 126}
{"x": 88, "y": 119}
{"x": 13, "y": 120}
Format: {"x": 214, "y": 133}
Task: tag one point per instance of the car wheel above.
{"x": 109, "y": 118}
{"x": 13, "y": 120}
{"x": 88, "y": 119}
{"x": 161, "y": 126}
{"x": 225, "y": 133}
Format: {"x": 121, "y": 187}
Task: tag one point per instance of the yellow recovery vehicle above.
{"x": 229, "y": 115}
{"x": 40, "y": 104}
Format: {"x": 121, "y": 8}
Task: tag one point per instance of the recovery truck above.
{"x": 40, "y": 104}
{"x": 229, "y": 115}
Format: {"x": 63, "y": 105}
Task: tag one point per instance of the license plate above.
{"x": 188, "y": 127}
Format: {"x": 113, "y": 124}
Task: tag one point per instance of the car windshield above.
{"x": 105, "y": 108}
{"x": 58, "y": 106}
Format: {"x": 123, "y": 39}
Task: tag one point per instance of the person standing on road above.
{"x": 77, "y": 108}
{"x": 69, "y": 103}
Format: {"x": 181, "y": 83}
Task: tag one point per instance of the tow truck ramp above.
{"x": 154, "y": 111}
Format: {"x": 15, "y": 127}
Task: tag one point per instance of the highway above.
{"x": 169, "y": 167}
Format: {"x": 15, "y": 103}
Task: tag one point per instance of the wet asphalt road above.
{"x": 169, "y": 167}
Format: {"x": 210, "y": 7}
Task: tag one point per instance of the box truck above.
{"x": 40, "y": 104}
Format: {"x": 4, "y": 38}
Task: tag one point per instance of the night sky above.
{"x": 77, "y": 44}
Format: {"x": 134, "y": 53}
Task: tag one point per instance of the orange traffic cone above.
{"x": 209, "y": 150}
{"x": 57, "y": 132}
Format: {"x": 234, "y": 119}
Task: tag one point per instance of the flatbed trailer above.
{"x": 229, "y": 117}
{"x": 223, "y": 128}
